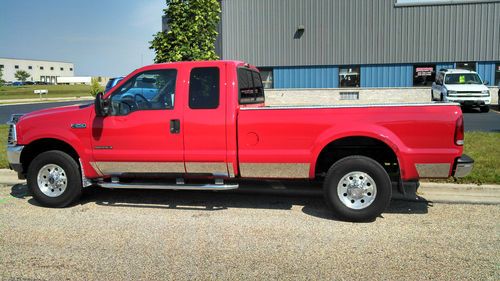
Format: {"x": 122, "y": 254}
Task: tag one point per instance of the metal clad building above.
{"x": 361, "y": 43}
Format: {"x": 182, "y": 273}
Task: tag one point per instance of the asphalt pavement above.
{"x": 474, "y": 120}
{"x": 177, "y": 235}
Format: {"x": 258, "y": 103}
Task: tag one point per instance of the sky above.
{"x": 101, "y": 37}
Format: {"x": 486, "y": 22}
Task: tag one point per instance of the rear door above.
{"x": 205, "y": 150}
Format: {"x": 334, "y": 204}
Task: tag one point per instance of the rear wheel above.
{"x": 485, "y": 108}
{"x": 357, "y": 188}
{"x": 54, "y": 179}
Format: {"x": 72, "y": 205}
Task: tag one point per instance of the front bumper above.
{"x": 14, "y": 157}
{"x": 470, "y": 101}
{"x": 463, "y": 166}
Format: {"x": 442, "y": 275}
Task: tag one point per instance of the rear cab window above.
{"x": 250, "y": 88}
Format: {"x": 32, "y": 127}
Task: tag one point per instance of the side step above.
{"x": 217, "y": 186}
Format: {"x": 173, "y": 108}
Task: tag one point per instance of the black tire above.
{"x": 485, "y": 108}
{"x": 432, "y": 96}
{"x": 70, "y": 171}
{"x": 441, "y": 98}
{"x": 357, "y": 165}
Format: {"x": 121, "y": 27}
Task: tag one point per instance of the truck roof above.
{"x": 457, "y": 70}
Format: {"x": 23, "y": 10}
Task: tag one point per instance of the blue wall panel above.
{"x": 376, "y": 76}
{"x": 306, "y": 77}
{"x": 487, "y": 71}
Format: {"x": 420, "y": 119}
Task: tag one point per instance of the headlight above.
{"x": 486, "y": 92}
{"x": 452, "y": 92}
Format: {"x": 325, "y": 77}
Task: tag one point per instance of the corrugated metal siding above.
{"x": 487, "y": 71}
{"x": 344, "y": 32}
{"x": 387, "y": 75}
{"x": 306, "y": 77}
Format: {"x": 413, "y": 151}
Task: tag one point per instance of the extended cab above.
{"x": 461, "y": 86}
{"x": 204, "y": 125}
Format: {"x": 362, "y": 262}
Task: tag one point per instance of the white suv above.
{"x": 461, "y": 86}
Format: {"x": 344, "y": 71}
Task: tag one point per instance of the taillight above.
{"x": 459, "y": 131}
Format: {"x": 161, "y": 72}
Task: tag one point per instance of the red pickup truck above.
{"x": 204, "y": 125}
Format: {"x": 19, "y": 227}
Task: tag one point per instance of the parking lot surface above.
{"x": 165, "y": 235}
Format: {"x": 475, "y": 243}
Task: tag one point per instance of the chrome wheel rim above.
{"x": 52, "y": 180}
{"x": 357, "y": 190}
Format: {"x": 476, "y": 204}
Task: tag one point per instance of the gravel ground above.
{"x": 161, "y": 235}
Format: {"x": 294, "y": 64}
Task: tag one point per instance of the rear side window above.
{"x": 204, "y": 88}
{"x": 250, "y": 86}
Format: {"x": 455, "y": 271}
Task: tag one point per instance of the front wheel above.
{"x": 485, "y": 108}
{"x": 54, "y": 179}
{"x": 357, "y": 188}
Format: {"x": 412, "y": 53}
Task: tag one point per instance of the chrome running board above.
{"x": 168, "y": 186}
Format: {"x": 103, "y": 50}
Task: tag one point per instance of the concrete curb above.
{"x": 433, "y": 192}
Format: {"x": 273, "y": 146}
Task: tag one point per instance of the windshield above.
{"x": 462, "y": 78}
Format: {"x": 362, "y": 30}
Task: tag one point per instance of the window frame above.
{"x": 354, "y": 66}
{"x": 116, "y": 91}
{"x": 496, "y": 75}
{"x": 218, "y": 87}
{"x": 432, "y": 77}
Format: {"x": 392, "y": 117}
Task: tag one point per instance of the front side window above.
{"x": 204, "y": 88}
{"x": 149, "y": 90}
{"x": 423, "y": 75}
{"x": 462, "y": 78}
{"x": 250, "y": 86}
{"x": 349, "y": 76}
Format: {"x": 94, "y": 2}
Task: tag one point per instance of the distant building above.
{"x": 40, "y": 70}
{"x": 72, "y": 80}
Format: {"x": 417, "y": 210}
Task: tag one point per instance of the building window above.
{"x": 70, "y": 69}
{"x": 51, "y": 68}
{"x": 30, "y": 67}
{"x": 349, "y": 76}
{"x": 62, "y": 68}
{"x": 424, "y": 75}
{"x": 41, "y": 67}
{"x": 267, "y": 77}
{"x": 497, "y": 74}
{"x": 466, "y": 65}
{"x": 16, "y": 66}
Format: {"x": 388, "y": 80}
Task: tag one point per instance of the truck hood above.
{"x": 54, "y": 111}
{"x": 466, "y": 88}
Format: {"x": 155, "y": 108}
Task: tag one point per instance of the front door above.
{"x": 137, "y": 137}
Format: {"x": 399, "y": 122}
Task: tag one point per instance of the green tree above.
{"x": 22, "y": 75}
{"x": 192, "y": 31}
{"x": 1, "y": 76}
{"x": 95, "y": 87}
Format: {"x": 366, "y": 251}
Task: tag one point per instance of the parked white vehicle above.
{"x": 461, "y": 86}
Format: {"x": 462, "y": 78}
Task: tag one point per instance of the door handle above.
{"x": 175, "y": 126}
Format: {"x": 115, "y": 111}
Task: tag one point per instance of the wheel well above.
{"x": 366, "y": 146}
{"x": 39, "y": 146}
